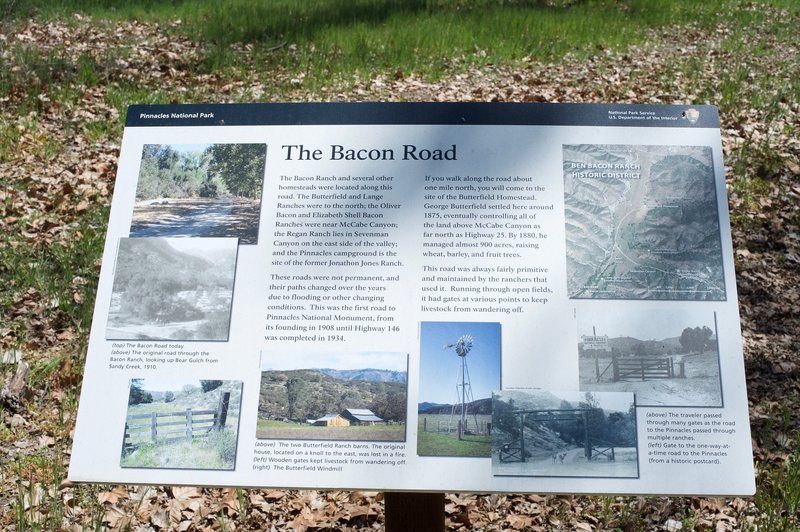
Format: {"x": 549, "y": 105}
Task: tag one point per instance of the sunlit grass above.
{"x": 326, "y": 39}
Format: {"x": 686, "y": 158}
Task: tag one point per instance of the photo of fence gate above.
{"x": 181, "y": 424}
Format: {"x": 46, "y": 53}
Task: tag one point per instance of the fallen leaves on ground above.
{"x": 58, "y": 165}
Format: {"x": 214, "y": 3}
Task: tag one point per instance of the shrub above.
{"x": 224, "y": 442}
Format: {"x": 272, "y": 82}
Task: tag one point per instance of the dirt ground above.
{"x": 226, "y": 216}
{"x": 700, "y": 387}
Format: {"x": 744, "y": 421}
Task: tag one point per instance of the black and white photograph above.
{"x": 181, "y": 424}
{"x": 642, "y": 222}
{"x": 667, "y": 357}
{"x": 172, "y": 289}
{"x": 200, "y": 190}
{"x": 333, "y": 396}
{"x": 545, "y": 433}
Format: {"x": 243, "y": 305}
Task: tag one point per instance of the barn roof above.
{"x": 362, "y": 414}
{"x": 326, "y": 417}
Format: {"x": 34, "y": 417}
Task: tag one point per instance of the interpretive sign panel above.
{"x": 432, "y": 297}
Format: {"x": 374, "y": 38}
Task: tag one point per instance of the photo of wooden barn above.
{"x": 330, "y": 420}
{"x": 348, "y": 403}
{"x": 361, "y": 416}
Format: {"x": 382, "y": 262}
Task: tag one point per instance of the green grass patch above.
{"x": 38, "y": 505}
{"x": 64, "y": 275}
{"x": 430, "y": 442}
{"x": 9, "y": 139}
{"x": 778, "y": 494}
{"x": 282, "y": 430}
{"x": 325, "y": 40}
{"x": 434, "y": 444}
{"x": 217, "y": 450}
{"x": 31, "y": 73}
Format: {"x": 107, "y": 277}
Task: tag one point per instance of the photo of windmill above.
{"x": 451, "y": 421}
{"x": 463, "y": 388}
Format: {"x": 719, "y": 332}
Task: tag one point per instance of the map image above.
{"x": 642, "y": 223}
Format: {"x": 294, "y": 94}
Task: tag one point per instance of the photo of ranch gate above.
{"x": 667, "y": 357}
{"x": 571, "y": 434}
{"x": 191, "y": 424}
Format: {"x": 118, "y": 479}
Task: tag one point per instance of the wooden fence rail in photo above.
{"x": 645, "y": 368}
{"x": 165, "y": 427}
{"x": 641, "y": 368}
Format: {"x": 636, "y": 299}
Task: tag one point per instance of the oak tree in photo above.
{"x": 696, "y": 340}
{"x": 138, "y": 395}
{"x": 239, "y": 166}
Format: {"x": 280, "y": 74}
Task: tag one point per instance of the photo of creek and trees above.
{"x": 200, "y": 190}
{"x": 172, "y": 288}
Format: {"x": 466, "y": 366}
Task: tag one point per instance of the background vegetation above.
{"x": 70, "y": 68}
{"x": 609, "y": 428}
{"x": 214, "y": 450}
{"x": 217, "y": 170}
{"x": 332, "y": 40}
{"x": 310, "y": 394}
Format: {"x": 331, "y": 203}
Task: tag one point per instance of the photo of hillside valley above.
{"x": 642, "y": 223}
{"x": 172, "y": 288}
{"x": 181, "y": 424}
{"x": 667, "y": 358}
{"x": 569, "y": 434}
{"x": 333, "y": 404}
{"x": 200, "y": 190}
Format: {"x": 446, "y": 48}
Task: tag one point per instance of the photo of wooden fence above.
{"x": 564, "y": 434}
{"x": 667, "y": 357}
{"x": 641, "y": 368}
{"x": 175, "y": 426}
{"x": 181, "y": 424}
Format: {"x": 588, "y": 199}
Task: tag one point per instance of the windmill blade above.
{"x": 464, "y": 345}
